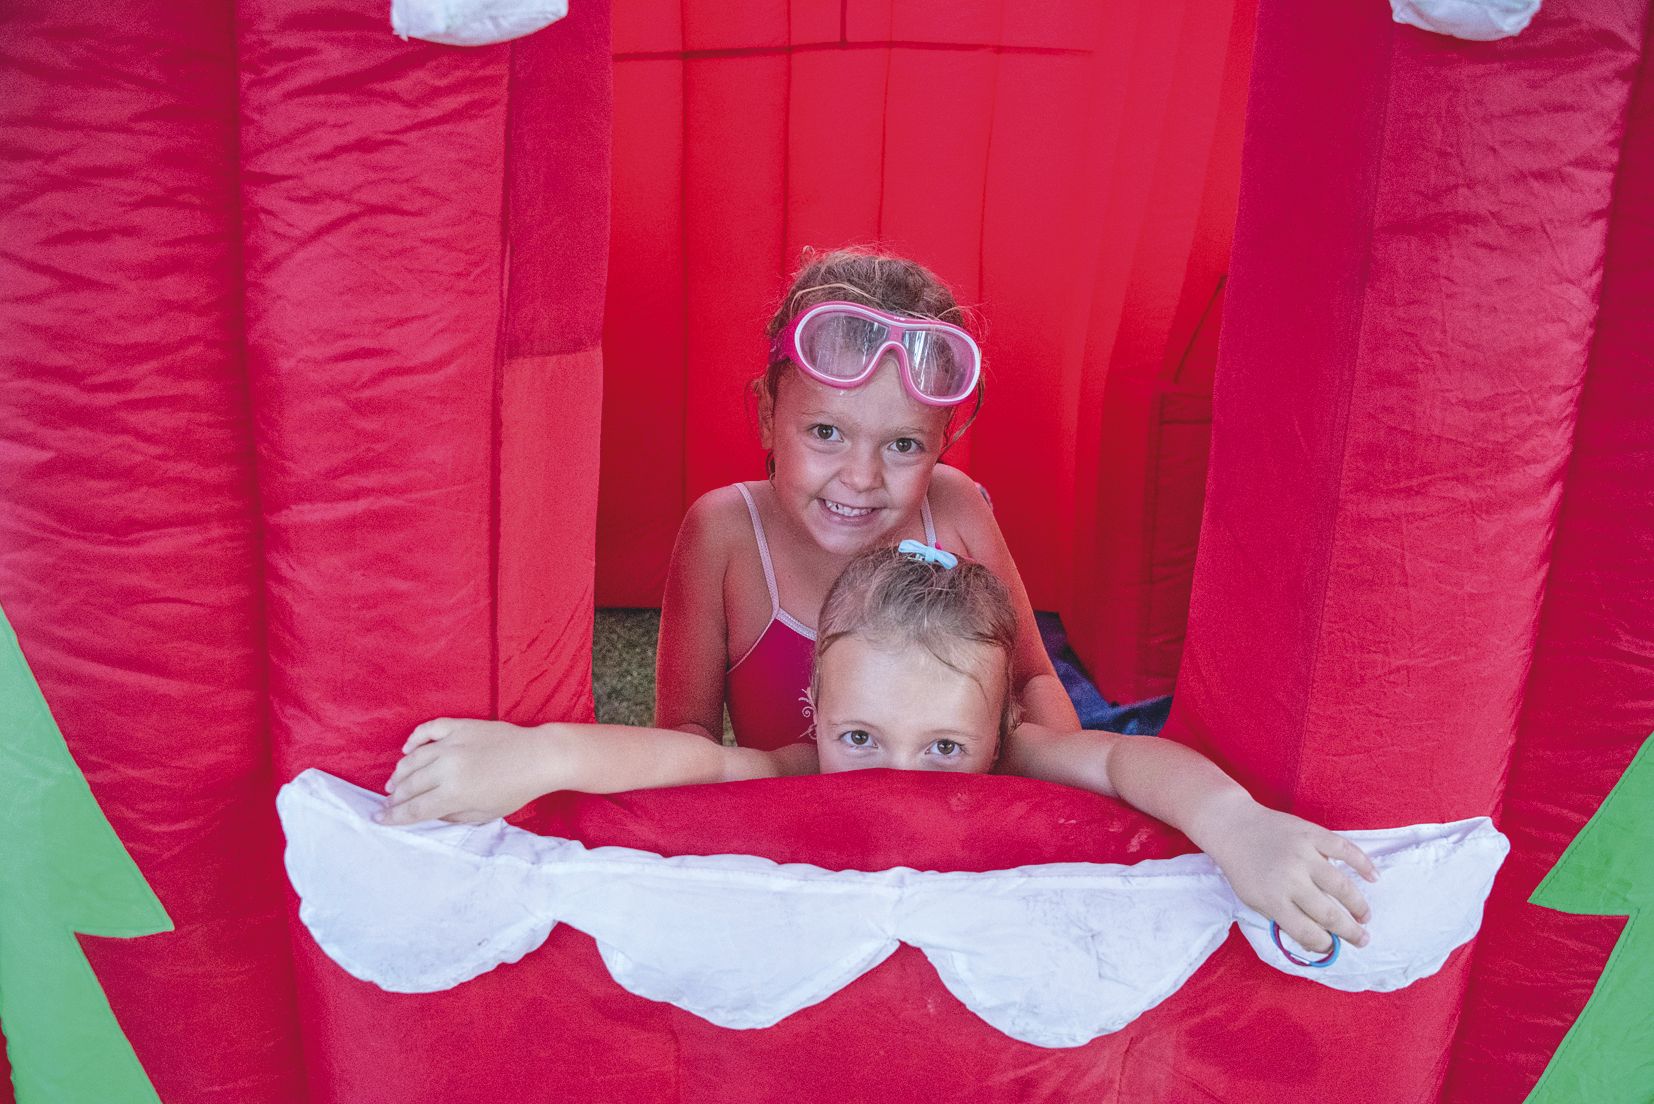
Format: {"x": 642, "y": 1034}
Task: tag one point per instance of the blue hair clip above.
{"x": 919, "y": 550}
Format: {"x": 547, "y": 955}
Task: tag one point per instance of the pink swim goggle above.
{"x": 840, "y": 344}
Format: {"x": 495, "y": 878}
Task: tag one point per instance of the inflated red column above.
{"x": 1589, "y": 700}
{"x": 1420, "y": 241}
{"x": 425, "y": 236}
{"x": 128, "y": 547}
{"x": 373, "y": 183}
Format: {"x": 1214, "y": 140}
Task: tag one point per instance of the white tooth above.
{"x": 847, "y": 511}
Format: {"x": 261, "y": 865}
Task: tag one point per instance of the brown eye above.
{"x": 948, "y": 748}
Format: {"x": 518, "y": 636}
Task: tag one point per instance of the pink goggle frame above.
{"x": 840, "y": 344}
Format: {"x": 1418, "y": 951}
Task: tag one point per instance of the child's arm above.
{"x": 693, "y": 647}
{"x": 1039, "y": 691}
{"x": 467, "y": 770}
{"x": 1277, "y": 863}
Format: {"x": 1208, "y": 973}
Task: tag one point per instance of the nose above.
{"x": 863, "y": 468}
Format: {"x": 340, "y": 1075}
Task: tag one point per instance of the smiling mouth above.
{"x": 838, "y": 509}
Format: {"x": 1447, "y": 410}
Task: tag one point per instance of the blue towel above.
{"x": 1144, "y": 718}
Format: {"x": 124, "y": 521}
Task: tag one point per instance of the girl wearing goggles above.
{"x": 868, "y": 367}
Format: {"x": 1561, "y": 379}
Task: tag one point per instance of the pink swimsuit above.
{"x": 768, "y": 689}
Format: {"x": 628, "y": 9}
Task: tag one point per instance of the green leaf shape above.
{"x": 64, "y": 870}
{"x": 1607, "y": 1057}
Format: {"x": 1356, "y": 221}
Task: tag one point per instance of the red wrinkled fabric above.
{"x": 1589, "y": 699}
{"x": 1069, "y": 168}
{"x": 129, "y": 558}
{"x": 299, "y": 446}
{"x": 1408, "y": 328}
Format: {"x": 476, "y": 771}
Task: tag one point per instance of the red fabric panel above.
{"x": 1589, "y": 701}
{"x": 1036, "y": 230}
{"x": 982, "y": 139}
{"x": 555, "y": 1027}
{"x": 550, "y": 408}
{"x": 127, "y": 555}
{"x": 816, "y": 21}
{"x": 562, "y": 99}
{"x": 649, "y": 26}
{"x": 836, "y": 148}
{"x": 550, "y": 399}
{"x": 1138, "y": 497}
{"x": 1388, "y": 443}
{"x": 735, "y": 159}
{"x": 1386, "y": 461}
{"x": 642, "y": 495}
{"x": 735, "y": 24}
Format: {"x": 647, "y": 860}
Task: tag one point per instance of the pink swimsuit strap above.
{"x": 776, "y": 612}
{"x": 767, "y": 689}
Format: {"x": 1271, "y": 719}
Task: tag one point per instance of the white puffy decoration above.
{"x": 473, "y": 22}
{"x": 1053, "y": 955}
{"x": 1474, "y": 20}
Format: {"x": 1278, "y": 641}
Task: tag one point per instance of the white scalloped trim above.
{"x": 1473, "y": 20}
{"x": 1054, "y": 955}
{"x": 473, "y": 22}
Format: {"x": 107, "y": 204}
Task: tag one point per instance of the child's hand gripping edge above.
{"x": 468, "y": 771}
{"x": 1278, "y": 864}
{"x": 1282, "y": 866}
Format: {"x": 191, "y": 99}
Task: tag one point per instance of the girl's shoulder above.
{"x": 713, "y": 522}
{"x": 961, "y": 509}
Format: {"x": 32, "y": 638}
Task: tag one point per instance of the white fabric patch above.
{"x": 1475, "y": 20}
{"x": 473, "y": 22}
{"x": 1053, "y": 955}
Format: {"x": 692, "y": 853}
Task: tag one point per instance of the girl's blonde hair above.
{"x": 861, "y": 274}
{"x": 900, "y": 600}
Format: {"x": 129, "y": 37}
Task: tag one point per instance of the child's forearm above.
{"x": 613, "y": 758}
{"x": 473, "y": 770}
{"x": 1163, "y": 779}
{"x": 1173, "y": 783}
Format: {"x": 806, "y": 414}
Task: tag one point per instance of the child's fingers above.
{"x": 429, "y": 804}
{"x": 425, "y": 733}
{"x": 1304, "y": 930}
{"x": 1329, "y": 915}
{"x": 414, "y": 783}
{"x": 1335, "y": 884}
{"x": 469, "y": 816}
{"x": 414, "y": 760}
{"x": 1334, "y": 846}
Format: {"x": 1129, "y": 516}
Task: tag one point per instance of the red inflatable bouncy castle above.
{"x": 307, "y": 350}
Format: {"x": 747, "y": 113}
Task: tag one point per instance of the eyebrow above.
{"x": 899, "y": 431}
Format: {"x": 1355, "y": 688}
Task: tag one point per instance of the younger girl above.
{"x": 868, "y": 367}
{"x": 914, "y": 667}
